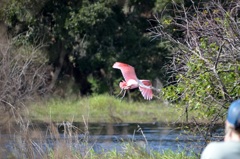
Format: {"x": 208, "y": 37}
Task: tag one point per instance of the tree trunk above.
{"x": 58, "y": 68}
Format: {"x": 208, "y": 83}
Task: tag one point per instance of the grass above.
{"x": 103, "y": 108}
{"x": 134, "y": 152}
{"x": 63, "y": 151}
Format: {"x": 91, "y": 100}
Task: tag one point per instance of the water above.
{"x": 106, "y": 137}
{"x": 156, "y": 136}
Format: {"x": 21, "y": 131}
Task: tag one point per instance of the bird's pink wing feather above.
{"x": 146, "y": 92}
{"x": 128, "y": 71}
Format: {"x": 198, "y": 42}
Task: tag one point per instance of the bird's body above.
{"x": 131, "y": 81}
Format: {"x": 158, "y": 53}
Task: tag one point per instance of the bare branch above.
{"x": 24, "y": 75}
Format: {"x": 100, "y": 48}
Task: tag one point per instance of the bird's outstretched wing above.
{"x": 128, "y": 71}
{"x": 146, "y": 89}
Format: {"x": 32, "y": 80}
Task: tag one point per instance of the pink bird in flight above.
{"x": 131, "y": 81}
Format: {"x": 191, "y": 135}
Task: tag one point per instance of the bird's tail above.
{"x": 147, "y": 84}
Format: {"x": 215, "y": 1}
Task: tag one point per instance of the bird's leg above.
{"x": 120, "y": 92}
{"x": 124, "y": 93}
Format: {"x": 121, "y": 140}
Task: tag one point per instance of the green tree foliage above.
{"x": 86, "y": 37}
{"x": 206, "y": 62}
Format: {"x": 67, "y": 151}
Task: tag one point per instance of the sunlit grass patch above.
{"x": 102, "y": 108}
{"x": 56, "y": 110}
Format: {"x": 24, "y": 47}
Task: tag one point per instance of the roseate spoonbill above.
{"x": 131, "y": 81}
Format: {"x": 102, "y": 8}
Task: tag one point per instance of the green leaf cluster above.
{"x": 85, "y": 38}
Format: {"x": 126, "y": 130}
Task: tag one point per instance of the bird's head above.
{"x": 123, "y": 85}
